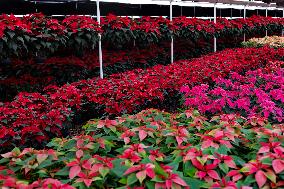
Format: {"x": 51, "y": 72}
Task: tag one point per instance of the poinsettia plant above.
{"x": 47, "y": 35}
{"x": 37, "y": 34}
{"x": 255, "y": 93}
{"x": 14, "y": 35}
{"x": 82, "y": 33}
{"x": 138, "y": 151}
{"x": 53, "y": 112}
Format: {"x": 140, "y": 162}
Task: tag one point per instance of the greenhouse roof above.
{"x": 202, "y": 3}
{"x": 194, "y": 8}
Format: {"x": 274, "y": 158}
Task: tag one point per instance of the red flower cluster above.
{"x": 38, "y": 23}
{"x": 40, "y": 116}
{"x": 79, "y": 23}
{"x": 224, "y": 25}
{"x": 12, "y": 23}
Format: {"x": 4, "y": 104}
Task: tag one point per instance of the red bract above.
{"x": 52, "y": 183}
{"x": 142, "y": 171}
{"x": 43, "y": 184}
{"x": 171, "y": 181}
{"x": 131, "y": 156}
{"x": 86, "y": 171}
{"x": 228, "y": 160}
{"x": 207, "y": 171}
{"x": 224, "y": 184}
{"x": 214, "y": 139}
{"x": 258, "y": 168}
{"x": 180, "y": 134}
{"x": 155, "y": 155}
{"x": 271, "y": 146}
{"x": 38, "y": 24}
{"x": 78, "y": 23}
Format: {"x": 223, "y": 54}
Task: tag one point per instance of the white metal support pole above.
{"x": 215, "y": 21}
{"x": 283, "y": 17}
{"x": 172, "y": 37}
{"x": 100, "y": 41}
{"x": 244, "y": 18}
{"x": 266, "y": 16}
{"x": 35, "y": 5}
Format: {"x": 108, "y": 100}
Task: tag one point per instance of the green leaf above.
{"x": 104, "y": 171}
{"x": 249, "y": 180}
{"x": 123, "y": 187}
{"x": 78, "y": 40}
{"x": 80, "y": 185}
{"x": 70, "y": 144}
{"x": 193, "y": 183}
{"x": 271, "y": 176}
{"x": 267, "y": 161}
{"x": 42, "y": 173}
{"x": 88, "y": 36}
{"x": 45, "y": 164}
{"x": 175, "y": 164}
{"x": 239, "y": 161}
{"x": 20, "y": 39}
{"x": 4, "y": 160}
{"x": 63, "y": 172}
{"x": 224, "y": 168}
{"x": 123, "y": 181}
{"x": 223, "y": 150}
{"x": 13, "y": 45}
{"x": 150, "y": 185}
{"x": 118, "y": 168}
{"x": 131, "y": 179}
{"x": 189, "y": 169}
{"x": 27, "y": 37}
{"x": 159, "y": 170}
{"x": 11, "y": 34}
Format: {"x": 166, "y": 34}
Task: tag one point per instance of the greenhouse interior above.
{"x": 141, "y": 94}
